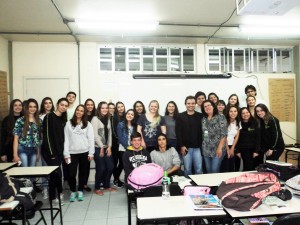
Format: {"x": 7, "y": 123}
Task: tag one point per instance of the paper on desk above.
{"x": 182, "y": 181}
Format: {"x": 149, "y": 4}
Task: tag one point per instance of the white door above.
{"x": 40, "y": 87}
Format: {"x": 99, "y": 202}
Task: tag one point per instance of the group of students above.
{"x": 208, "y": 137}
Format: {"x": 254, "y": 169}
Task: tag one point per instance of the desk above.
{"x": 6, "y": 165}
{"x": 215, "y": 179}
{"x": 8, "y": 208}
{"x": 37, "y": 171}
{"x": 174, "y": 208}
{"x": 292, "y": 149}
{"x": 293, "y": 206}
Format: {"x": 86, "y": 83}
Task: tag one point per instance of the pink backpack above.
{"x": 145, "y": 176}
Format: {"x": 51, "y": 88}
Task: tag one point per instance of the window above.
{"x": 147, "y": 58}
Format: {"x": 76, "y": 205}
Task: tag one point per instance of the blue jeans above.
{"x": 192, "y": 158}
{"x": 27, "y": 155}
{"x": 104, "y": 168}
{"x": 213, "y": 164}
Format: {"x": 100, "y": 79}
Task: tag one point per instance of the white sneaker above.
{"x": 61, "y": 200}
{"x": 45, "y": 193}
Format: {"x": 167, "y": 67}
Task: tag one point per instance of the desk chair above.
{"x": 291, "y": 219}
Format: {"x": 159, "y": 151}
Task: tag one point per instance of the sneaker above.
{"x": 87, "y": 188}
{"x": 73, "y": 197}
{"x": 118, "y": 183}
{"x": 61, "y": 200}
{"x": 45, "y": 193}
{"x": 80, "y": 196}
{"x": 101, "y": 186}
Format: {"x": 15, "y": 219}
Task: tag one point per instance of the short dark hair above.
{"x": 199, "y": 93}
{"x": 189, "y": 97}
{"x": 215, "y": 112}
{"x": 251, "y": 87}
{"x": 135, "y": 135}
{"x": 71, "y": 92}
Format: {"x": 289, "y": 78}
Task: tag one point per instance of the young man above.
{"x": 71, "y": 96}
{"x": 250, "y": 90}
{"x": 200, "y": 98}
{"x": 135, "y": 155}
{"x": 189, "y": 137}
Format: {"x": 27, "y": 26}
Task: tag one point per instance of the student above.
{"x": 90, "y": 106}
{"x": 250, "y": 90}
{"x": 233, "y": 100}
{"x": 79, "y": 150}
{"x": 27, "y": 134}
{"x": 53, "y": 144}
{"x": 248, "y": 145}
{"x": 251, "y": 103}
{"x": 46, "y": 107}
{"x": 213, "y": 97}
{"x": 189, "y": 137}
{"x": 221, "y": 106}
{"x": 231, "y": 162}
{"x": 171, "y": 114}
{"x": 71, "y": 96}
{"x": 135, "y": 155}
{"x": 139, "y": 109}
{"x": 214, "y": 129}
{"x": 200, "y": 98}
{"x": 103, "y": 154}
{"x": 124, "y": 131}
{"x": 8, "y": 124}
{"x": 150, "y": 125}
{"x": 166, "y": 156}
{"x": 272, "y": 143}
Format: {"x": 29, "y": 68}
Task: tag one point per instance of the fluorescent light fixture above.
{"x": 117, "y": 25}
{"x": 270, "y": 30}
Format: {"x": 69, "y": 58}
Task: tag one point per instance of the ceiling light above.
{"x": 270, "y": 30}
{"x": 117, "y": 25}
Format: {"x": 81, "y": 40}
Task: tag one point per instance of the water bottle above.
{"x": 165, "y": 186}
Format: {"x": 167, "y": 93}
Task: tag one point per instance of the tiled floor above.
{"x": 110, "y": 209}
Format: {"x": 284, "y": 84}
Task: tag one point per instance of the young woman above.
{"x": 53, "y": 144}
{"x": 166, "y": 156}
{"x": 214, "y": 128}
{"x": 120, "y": 111}
{"x": 231, "y": 162}
{"x": 90, "y": 106}
{"x": 79, "y": 150}
{"x": 272, "y": 143}
{"x": 171, "y": 114}
{"x": 248, "y": 145}
{"x": 46, "y": 107}
{"x": 103, "y": 155}
{"x": 124, "y": 131}
{"x": 111, "y": 108}
{"x": 221, "y": 106}
{"x": 251, "y": 102}
{"x": 233, "y": 100}
{"x": 8, "y": 124}
{"x": 139, "y": 109}
{"x": 27, "y": 135}
{"x": 150, "y": 125}
{"x": 213, "y": 97}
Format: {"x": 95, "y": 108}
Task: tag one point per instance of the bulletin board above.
{"x": 282, "y": 99}
{"x": 3, "y": 95}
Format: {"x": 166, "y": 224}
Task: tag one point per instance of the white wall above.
{"x": 60, "y": 59}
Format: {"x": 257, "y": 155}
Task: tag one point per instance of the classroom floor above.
{"x": 110, "y": 209}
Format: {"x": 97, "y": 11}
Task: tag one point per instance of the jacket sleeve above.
{"x": 109, "y": 141}
{"x": 67, "y": 140}
{"x": 91, "y": 139}
{"x": 4, "y": 136}
{"x": 178, "y": 131}
{"x": 127, "y": 165}
{"x": 122, "y": 139}
{"x": 95, "y": 124}
{"x": 275, "y": 131}
{"x": 48, "y": 146}
{"x": 258, "y": 139}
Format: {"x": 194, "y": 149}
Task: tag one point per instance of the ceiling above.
{"x": 188, "y": 21}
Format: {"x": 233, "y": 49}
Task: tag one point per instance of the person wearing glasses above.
{"x": 250, "y": 90}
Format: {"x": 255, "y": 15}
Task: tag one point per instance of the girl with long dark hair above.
{"x": 171, "y": 114}
{"x": 79, "y": 150}
{"x": 8, "y": 124}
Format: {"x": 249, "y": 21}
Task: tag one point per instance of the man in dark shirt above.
{"x": 189, "y": 137}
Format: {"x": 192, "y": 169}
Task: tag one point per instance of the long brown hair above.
{"x": 26, "y": 116}
{"x": 84, "y": 119}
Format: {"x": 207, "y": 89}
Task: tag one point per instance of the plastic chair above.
{"x": 291, "y": 219}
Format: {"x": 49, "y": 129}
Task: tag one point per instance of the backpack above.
{"x": 245, "y": 192}
{"x": 146, "y": 175}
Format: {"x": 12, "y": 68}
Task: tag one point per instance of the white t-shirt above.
{"x": 232, "y": 131}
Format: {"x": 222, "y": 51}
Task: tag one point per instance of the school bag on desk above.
{"x": 245, "y": 192}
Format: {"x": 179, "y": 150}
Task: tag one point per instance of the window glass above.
{"x": 120, "y": 64}
{"x": 188, "y": 59}
{"x": 148, "y": 59}
{"x": 134, "y": 59}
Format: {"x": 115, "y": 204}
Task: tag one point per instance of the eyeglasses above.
{"x": 250, "y": 91}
